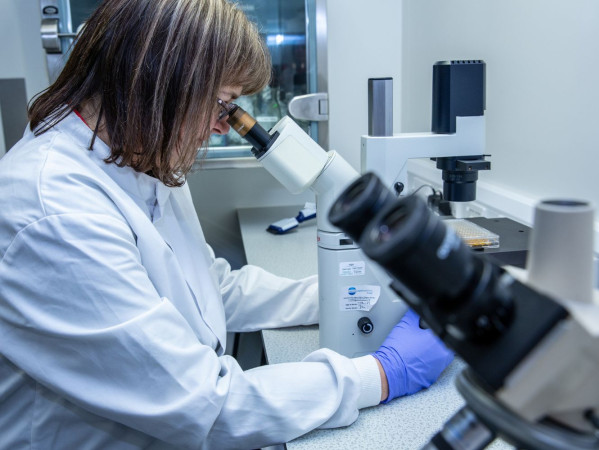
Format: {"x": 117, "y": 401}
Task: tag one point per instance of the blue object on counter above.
{"x": 308, "y": 212}
{"x": 284, "y": 225}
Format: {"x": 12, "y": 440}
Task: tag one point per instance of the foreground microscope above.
{"x": 532, "y": 354}
{"x": 533, "y": 359}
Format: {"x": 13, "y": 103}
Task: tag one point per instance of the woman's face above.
{"x": 226, "y": 94}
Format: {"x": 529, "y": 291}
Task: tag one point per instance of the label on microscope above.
{"x": 359, "y": 297}
{"x": 352, "y": 268}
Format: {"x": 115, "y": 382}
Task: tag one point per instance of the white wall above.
{"x": 21, "y": 51}
{"x": 542, "y": 85}
{"x": 364, "y": 41}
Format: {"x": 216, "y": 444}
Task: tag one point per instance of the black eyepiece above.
{"x": 445, "y": 279}
{"x": 360, "y": 201}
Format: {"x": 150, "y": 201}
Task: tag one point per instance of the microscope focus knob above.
{"x": 365, "y": 325}
{"x": 398, "y": 187}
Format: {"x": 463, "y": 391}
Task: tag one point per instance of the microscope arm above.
{"x": 387, "y": 156}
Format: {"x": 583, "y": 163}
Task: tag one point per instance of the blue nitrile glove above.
{"x": 412, "y": 357}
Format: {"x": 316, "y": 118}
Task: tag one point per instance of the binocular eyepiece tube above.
{"x": 358, "y": 204}
{"x": 454, "y": 290}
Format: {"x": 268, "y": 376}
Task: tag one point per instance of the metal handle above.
{"x": 380, "y": 107}
{"x": 314, "y": 107}
{"x": 51, "y": 37}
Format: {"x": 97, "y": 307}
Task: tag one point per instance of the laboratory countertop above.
{"x": 405, "y": 423}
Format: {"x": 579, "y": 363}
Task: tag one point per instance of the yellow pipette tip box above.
{"x": 472, "y": 234}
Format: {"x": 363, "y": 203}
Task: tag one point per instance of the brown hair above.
{"x": 154, "y": 69}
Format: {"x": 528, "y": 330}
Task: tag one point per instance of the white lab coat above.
{"x": 114, "y": 313}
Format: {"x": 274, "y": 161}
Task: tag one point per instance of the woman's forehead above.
{"x": 228, "y": 93}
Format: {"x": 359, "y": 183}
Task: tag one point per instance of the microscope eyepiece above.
{"x": 247, "y": 127}
{"x": 437, "y": 272}
{"x": 358, "y": 204}
{"x": 417, "y": 248}
{"x": 228, "y": 108}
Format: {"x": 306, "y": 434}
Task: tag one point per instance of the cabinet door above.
{"x": 61, "y": 19}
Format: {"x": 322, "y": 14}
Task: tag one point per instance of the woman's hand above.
{"x": 411, "y": 358}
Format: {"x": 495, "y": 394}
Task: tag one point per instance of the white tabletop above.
{"x": 405, "y": 423}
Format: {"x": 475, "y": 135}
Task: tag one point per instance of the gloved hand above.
{"x": 412, "y": 357}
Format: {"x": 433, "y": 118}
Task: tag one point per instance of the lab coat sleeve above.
{"x": 255, "y": 299}
{"x": 80, "y": 316}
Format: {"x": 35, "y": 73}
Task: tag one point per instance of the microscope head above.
{"x": 457, "y": 138}
{"x": 458, "y": 91}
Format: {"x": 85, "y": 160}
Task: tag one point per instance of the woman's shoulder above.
{"x": 52, "y": 174}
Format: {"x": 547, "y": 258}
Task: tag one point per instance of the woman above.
{"x": 113, "y": 309}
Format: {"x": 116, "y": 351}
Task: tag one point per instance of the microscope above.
{"x": 456, "y": 140}
{"x": 532, "y": 357}
{"x": 357, "y": 307}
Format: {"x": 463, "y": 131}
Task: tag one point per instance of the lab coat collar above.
{"x": 149, "y": 192}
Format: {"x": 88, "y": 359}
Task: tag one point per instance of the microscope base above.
{"x": 357, "y": 307}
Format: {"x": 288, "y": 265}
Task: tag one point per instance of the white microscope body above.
{"x": 387, "y": 156}
{"x": 357, "y": 307}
